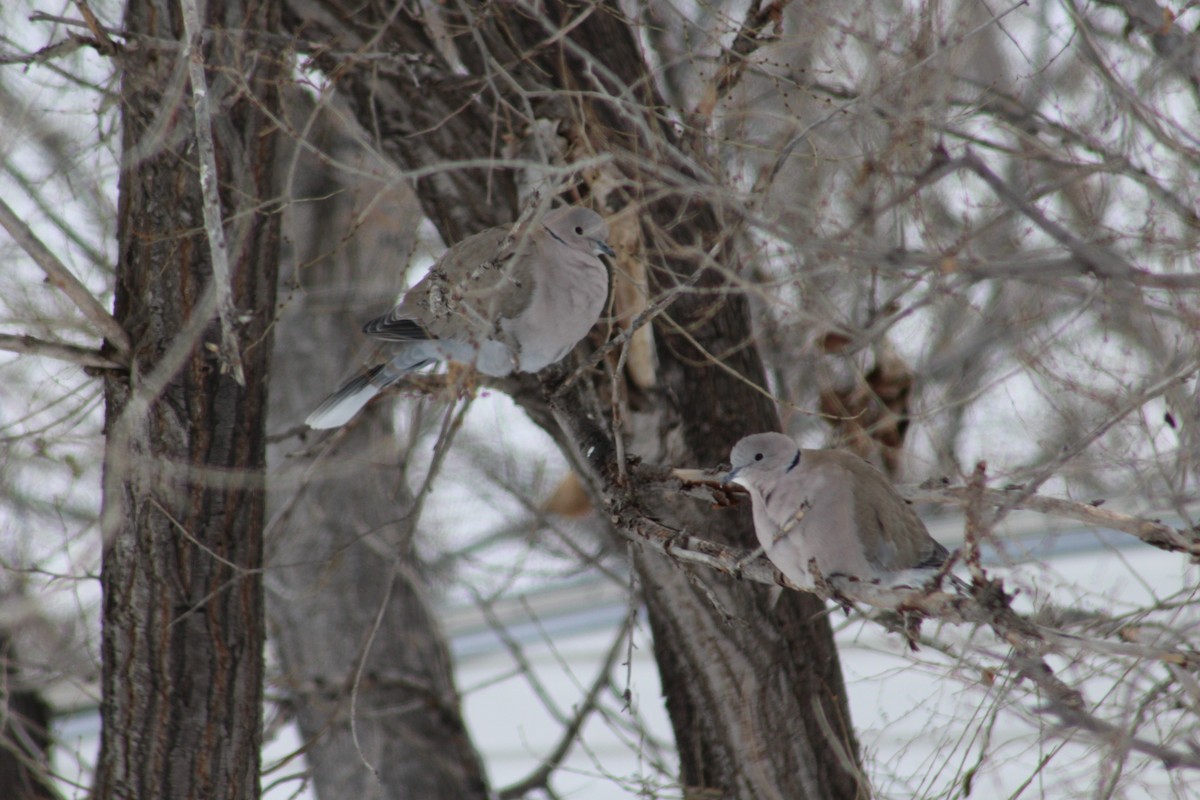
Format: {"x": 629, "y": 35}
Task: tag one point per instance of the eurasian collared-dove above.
{"x": 832, "y": 508}
{"x": 498, "y": 308}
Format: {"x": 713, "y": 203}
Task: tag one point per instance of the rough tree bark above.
{"x": 361, "y": 652}
{"x": 185, "y": 449}
{"x": 755, "y": 693}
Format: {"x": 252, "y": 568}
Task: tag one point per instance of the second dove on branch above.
{"x": 832, "y": 509}
{"x": 500, "y": 301}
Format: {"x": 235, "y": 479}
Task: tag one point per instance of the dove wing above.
{"x": 464, "y": 296}
{"x": 894, "y": 538}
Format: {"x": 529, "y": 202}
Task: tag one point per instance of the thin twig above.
{"x": 52, "y": 211}
{"x": 735, "y": 58}
{"x": 84, "y": 356}
{"x": 540, "y": 777}
{"x": 935, "y": 53}
{"x": 61, "y": 278}
{"x": 106, "y": 45}
{"x": 1151, "y": 531}
{"x": 361, "y": 666}
{"x": 517, "y": 653}
{"x": 50, "y": 52}
{"x": 1103, "y": 262}
{"x": 976, "y": 527}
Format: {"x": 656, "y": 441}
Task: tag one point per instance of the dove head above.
{"x": 760, "y": 457}
{"x": 580, "y": 229}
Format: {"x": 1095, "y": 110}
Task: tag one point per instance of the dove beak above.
{"x": 731, "y": 477}
{"x": 602, "y": 248}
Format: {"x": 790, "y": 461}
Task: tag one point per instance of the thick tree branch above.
{"x": 706, "y": 484}
{"x": 957, "y": 608}
{"x": 582, "y": 69}
{"x": 985, "y": 603}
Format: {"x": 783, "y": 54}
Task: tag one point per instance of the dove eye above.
{"x": 578, "y": 231}
{"x": 758, "y": 456}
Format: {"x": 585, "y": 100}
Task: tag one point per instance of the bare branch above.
{"x": 976, "y": 526}
{"x": 947, "y": 607}
{"x": 706, "y": 484}
{"x": 105, "y": 44}
{"x": 83, "y": 356}
{"x": 52, "y": 211}
{"x": 541, "y": 776}
{"x": 1101, "y": 261}
{"x": 1176, "y": 46}
{"x": 987, "y": 604}
{"x": 1054, "y": 270}
{"x": 734, "y": 59}
{"x": 62, "y": 278}
{"x": 49, "y": 52}
{"x": 1150, "y": 531}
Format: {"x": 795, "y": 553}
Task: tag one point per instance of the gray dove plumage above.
{"x": 831, "y": 508}
{"x": 499, "y": 302}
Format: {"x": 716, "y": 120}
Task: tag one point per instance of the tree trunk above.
{"x": 183, "y": 502}
{"x": 362, "y": 655}
{"x": 755, "y": 694}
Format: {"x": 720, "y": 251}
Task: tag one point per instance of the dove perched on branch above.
{"x": 502, "y": 301}
{"x": 833, "y": 510}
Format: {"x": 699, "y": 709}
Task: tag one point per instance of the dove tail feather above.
{"x": 936, "y": 557}
{"x": 341, "y": 406}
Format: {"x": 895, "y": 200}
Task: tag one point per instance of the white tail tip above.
{"x": 341, "y": 406}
